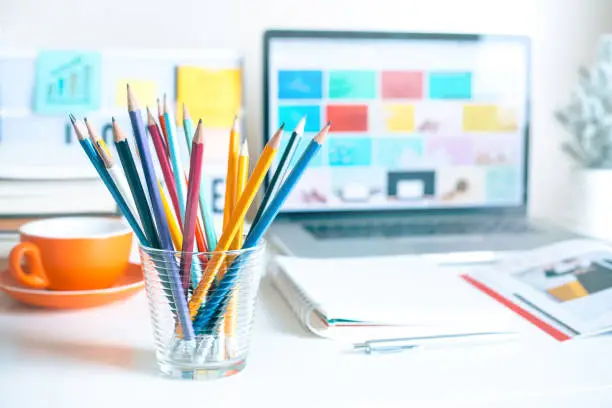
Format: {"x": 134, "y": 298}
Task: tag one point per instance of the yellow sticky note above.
{"x": 489, "y": 118}
{"x": 213, "y": 95}
{"x": 400, "y": 118}
{"x": 144, "y": 91}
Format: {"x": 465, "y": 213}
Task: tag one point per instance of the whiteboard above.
{"x": 35, "y": 145}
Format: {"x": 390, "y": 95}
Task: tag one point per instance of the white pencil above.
{"x": 116, "y": 172}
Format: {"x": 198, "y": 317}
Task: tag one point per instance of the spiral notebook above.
{"x": 357, "y": 299}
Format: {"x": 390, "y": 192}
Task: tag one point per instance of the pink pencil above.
{"x": 191, "y": 204}
{"x": 164, "y": 163}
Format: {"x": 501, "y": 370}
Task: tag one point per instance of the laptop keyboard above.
{"x": 329, "y": 230}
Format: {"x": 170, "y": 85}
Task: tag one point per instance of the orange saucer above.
{"x": 130, "y": 283}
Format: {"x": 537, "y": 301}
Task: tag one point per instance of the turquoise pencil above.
{"x": 175, "y": 158}
{"x": 108, "y": 181}
{"x": 205, "y": 210}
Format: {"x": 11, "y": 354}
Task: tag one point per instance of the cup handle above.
{"x": 36, "y": 278}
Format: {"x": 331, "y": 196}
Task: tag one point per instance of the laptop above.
{"x": 429, "y": 147}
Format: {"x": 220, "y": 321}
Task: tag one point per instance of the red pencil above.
{"x": 162, "y": 123}
{"x": 164, "y": 163}
{"x": 191, "y": 204}
{"x": 199, "y": 232}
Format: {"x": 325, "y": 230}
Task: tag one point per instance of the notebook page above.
{"x": 401, "y": 290}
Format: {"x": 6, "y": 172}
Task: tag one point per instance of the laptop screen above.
{"x": 418, "y": 122}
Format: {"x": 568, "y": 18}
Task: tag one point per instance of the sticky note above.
{"x": 348, "y": 118}
{"x": 291, "y": 115}
{"x": 352, "y": 85}
{"x": 213, "y": 95}
{"x": 398, "y": 153}
{"x": 67, "y": 81}
{"x": 144, "y": 91}
{"x": 489, "y": 118}
{"x": 349, "y": 151}
{"x": 402, "y": 84}
{"x": 450, "y": 85}
{"x": 302, "y": 84}
{"x": 400, "y": 118}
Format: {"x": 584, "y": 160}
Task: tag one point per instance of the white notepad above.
{"x": 377, "y": 297}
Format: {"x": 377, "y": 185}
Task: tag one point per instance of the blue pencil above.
{"x": 142, "y": 143}
{"x": 175, "y": 158}
{"x": 210, "y": 317}
{"x": 89, "y": 149}
{"x": 205, "y": 211}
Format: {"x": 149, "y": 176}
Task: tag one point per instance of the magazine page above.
{"x": 571, "y": 282}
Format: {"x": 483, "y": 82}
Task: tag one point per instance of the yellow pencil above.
{"x": 175, "y": 230}
{"x": 243, "y": 175}
{"x": 232, "y": 169}
{"x": 235, "y": 221}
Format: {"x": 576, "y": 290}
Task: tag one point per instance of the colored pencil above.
{"x": 133, "y": 179}
{"x": 205, "y": 209}
{"x": 191, "y": 210}
{"x": 175, "y": 229}
{"x": 237, "y": 218}
{"x": 113, "y": 170}
{"x": 175, "y": 158}
{"x": 282, "y": 164}
{"x": 164, "y": 163}
{"x": 199, "y": 233}
{"x": 178, "y": 294}
{"x": 232, "y": 169}
{"x": 211, "y": 316}
{"x": 243, "y": 175}
{"x": 108, "y": 181}
{"x": 162, "y": 123}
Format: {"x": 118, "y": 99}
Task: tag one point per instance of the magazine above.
{"x": 565, "y": 288}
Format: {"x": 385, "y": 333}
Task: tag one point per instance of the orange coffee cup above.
{"x": 71, "y": 253}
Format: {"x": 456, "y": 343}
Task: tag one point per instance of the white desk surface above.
{"x": 104, "y": 357}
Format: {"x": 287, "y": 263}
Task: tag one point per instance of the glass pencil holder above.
{"x": 202, "y": 319}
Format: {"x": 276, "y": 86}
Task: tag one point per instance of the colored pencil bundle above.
{"x": 171, "y": 212}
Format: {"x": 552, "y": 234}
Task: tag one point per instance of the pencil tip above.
{"x": 299, "y": 129}
{"x": 322, "y": 134}
{"x": 244, "y": 148}
{"x": 72, "y": 118}
{"x": 275, "y": 140}
{"x": 113, "y": 119}
{"x": 282, "y": 126}
{"x": 85, "y": 119}
{"x": 199, "y": 133}
{"x": 186, "y": 112}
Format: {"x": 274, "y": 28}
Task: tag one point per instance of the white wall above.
{"x": 565, "y": 32}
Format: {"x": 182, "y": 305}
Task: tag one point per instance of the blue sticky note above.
{"x": 291, "y": 115}
{"x": 352, "y": 85}
{"x": 503, "y": 185}
{"x": 450, "y": 85}
{"x": 300, "y": 84}
{"x": 67, "y": 81}
{"x": 398, "y": 152}
{"x": 349, "y": 151}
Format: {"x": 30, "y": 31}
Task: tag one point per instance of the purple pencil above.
{"x": 148, "y": 170}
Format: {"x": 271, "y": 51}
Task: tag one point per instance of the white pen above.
{"x": 432, "y": 342}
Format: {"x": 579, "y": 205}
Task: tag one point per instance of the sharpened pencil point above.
{"x": 118, "y": 135}
{"x": 282, "y": 126}
{"x": 199, "y": 133}
{"x": 72, "y": 118}
{"x": 299, "y": 129}
{"x": 244, "y": 148}
{"x": 165, "y": 103}
{"x": 78, "y": 129}
{"x": 320, "y": 137}
{"x": 274, "y": 142}
{"x": 132, "y": 105}
{"x": 150, "y": 117}
{"x": 186, "y": 114}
